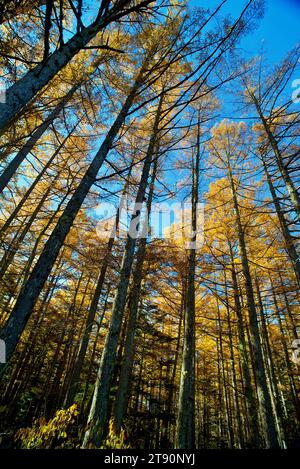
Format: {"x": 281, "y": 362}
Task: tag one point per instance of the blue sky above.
{"x": 279, "y": 29}
{"x": 278, "y": 32}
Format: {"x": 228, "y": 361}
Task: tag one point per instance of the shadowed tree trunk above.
{"x": 10, "y": 9}
{"x": 185, "y": 429}
{"x": 265, "y": 405}
{"x": 99, "y": 409}
{"x": 31, "y": 142}
{"x": 289, "y": 242}
{"x": 19, "y": 95}
{"x": 293, "y": 387}
{"x": 11, "y": 252}
{"x": 252, "y": 414}
{"x": 240, "y": 435}
{"x": 14, "y": 327}
{"x": 133, "y": 303}
{"x": 75, "y": 378}
{"x": 273, "y": 386}
{"x": 293, "y": 193}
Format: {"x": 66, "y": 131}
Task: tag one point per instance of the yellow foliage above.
{"x": 42, "y": 433}
{"x": 115, "y": 439}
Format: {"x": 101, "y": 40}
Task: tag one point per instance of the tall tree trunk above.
{"x": 185, "y": 430}
{"x": 98, "y": 413}
{"x": 289, "y": 242}
{"x": 293, "y": 193}
{"x": 28, "y": 351}
{"x": 230, "y": 437}
{"x": 26, "y": 301}
{"x": 293, "y": 388}
{"x": 31, "y": 142}
{"x": 240, "y": 435}
{"x": 10, "y": 9}
{"x": 11, "y": 252}
{"x": 19, "y": 95}
{"x": 85, "y": 406}
{"x": 133, "y": 304}
{"x": 265, "y": 405}
{"x": 288, "y": 308}
{"x": 171, "y": 393}
{"x": 25, "y": 197}
{"x": 74, "y": 383}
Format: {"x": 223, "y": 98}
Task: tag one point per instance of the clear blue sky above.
{"x": 279, "y": 29}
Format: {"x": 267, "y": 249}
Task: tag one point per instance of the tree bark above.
{"x": 293, "y": 193}
{"x": 264, "y": 399}
{"x": 185, "y": 430}
{"x": 19, "y": 95}
{"x": 26, "y": 301}
{"x": 99, "y": 409}
{"x": 289, "y": 242}
{"x": 25, "y": 197}
{"x": 32, "y": 141}
{"x": 133, "y": 303}
{"x": 74, "y": 383}
{"x": 10, "y": 9}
